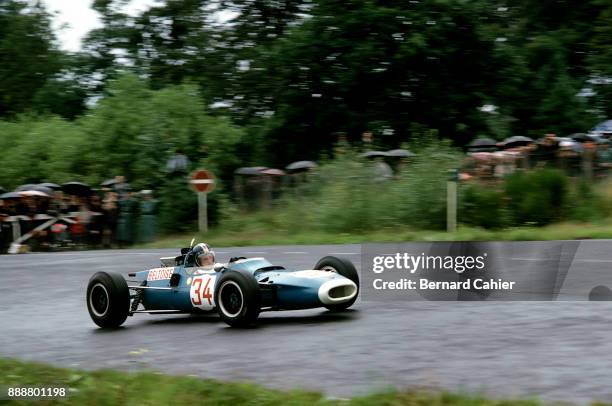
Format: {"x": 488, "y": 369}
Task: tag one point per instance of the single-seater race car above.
{"x": 238, "y": 290}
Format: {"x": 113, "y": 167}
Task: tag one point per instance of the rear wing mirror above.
{"x": 185, "y": 250}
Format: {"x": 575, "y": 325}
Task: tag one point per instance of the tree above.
{"x": 29, "y": 57}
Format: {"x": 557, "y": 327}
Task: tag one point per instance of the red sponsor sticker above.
{"x": 158, "y": 274}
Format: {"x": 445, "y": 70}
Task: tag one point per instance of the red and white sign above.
{"x": 202, "y": 290}
{"x": 158, "y": 274}
{"x": 202, "y": 181}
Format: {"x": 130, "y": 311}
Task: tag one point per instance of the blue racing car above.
{"x": 238, "y": 290}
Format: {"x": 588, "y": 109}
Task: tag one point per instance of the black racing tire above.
{"x": 108, "y": 299}
{"x": 237, "y": 298}
{"x": 344, "y": 267}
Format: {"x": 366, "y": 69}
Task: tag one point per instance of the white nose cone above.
{"x": 337, "y": 291}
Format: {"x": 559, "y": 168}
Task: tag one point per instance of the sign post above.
{"x": 451, "y": 201}
{"x": 203, "y": 182}
{"x": 202, "y": 213}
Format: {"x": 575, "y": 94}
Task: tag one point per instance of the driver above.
{"x": 204, "y": 257}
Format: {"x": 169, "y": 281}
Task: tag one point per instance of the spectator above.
{"x": 148, "y": 221}
{"x": 110, "y": 212}
{"x": 58, "y": 205}
{"x": 382, "y": 170}
{"x": 125, "y": 223}
{"x": 80, "y": 227}
{"x": 178, "y": 163}
{"x": 121, "y": 186}
{"x": 604, "y": 156}
{"x": 546, "y": 152}
{"x": 96, "y": 225}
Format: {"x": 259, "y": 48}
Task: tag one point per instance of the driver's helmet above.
{"x": 203, "y": 255}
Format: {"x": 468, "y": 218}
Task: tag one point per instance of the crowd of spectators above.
{"x": 49, "y": 217}
{"x": 580, "y": 155}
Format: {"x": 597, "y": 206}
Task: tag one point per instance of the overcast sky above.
{"x": 80, "y": 19}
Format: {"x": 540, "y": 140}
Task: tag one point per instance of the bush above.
{"x": 345, "y": 195}
{"x": 178, "y": 207}
{"x": 421, "y": 189}
{"x": 482, "y": 207}
{"x": 537, "y": 197}
{"x": 349, "y": 198}
{"x": 584, "y": 204}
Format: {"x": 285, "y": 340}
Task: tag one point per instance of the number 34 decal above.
{"x": 201, "y": 291}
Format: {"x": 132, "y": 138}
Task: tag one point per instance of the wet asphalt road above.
{"x": 553, "y": 350}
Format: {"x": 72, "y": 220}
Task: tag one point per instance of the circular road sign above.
{"x": 202, "y": 181}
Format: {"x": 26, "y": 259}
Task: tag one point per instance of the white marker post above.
{"x": 203, "y": 182}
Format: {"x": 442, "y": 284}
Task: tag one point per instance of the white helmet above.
{"x": 203, "y": 255}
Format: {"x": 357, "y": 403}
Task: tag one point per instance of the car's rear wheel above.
{"x": 237, "y": 298}
{"x": 345, "y": 268}
{"x": 108, "y": 299}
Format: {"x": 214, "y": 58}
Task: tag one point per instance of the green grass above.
{"x": 107, "y": 387}
{"x": 264, "y": 235}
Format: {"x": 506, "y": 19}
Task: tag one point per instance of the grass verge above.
{"x": 250, "y": 235}
{"x": 107, "y": 387}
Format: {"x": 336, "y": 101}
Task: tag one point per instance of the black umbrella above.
{"x": 581, "y": 137}
{"x": 516, "y": 141}
{"x": 250, "y": 170}
{"x": 301, "y": 166}
{"x": 44, "y": 189}
{"x": 400, "y": 153}
{"x": 109, "y": 182}
{"x": 10, "y": 195}
{"x": 76, "y": 188}
{"x": 598, "y": 139}
{"x": 50, "y": 185}
{"x": 374, "y": 154}
{"x": 482, "y": 143}
{"x": 27, "y": 186}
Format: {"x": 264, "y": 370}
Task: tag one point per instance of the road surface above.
{"x": 553, "y": 350}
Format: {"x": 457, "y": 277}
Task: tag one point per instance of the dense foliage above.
{"x": 345, "y": 196}
{"x": 237, "y": 82}
{"x": 296, "y": 74}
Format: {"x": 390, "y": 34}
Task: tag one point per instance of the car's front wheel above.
{"x": 108, "y": 299}
{"x": 237, "y": 298}
{"x": 345, "y": 268}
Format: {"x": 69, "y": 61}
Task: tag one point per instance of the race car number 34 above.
{"x": 201, "y": 292}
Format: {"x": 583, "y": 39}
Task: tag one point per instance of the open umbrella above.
{"x": 569, "y": 143}
{"x": 603, "y": 127}
{"x": 400, "y": 153}
{"x": 301, "y": 166}
{"x": 76, "y": 188}
{"x": 33, "y": 193}
{"x": 250, "y": 170}
{"x": 483, "y": 156}
{"x": 10, "y": 195}
{"x": 44, "y": 189}
{"x": 50, "y": 185}
{"x": 598, "y": 139}
{"x": 27, "y": 186}
{"x": 374, "y": 154}
{"x": 581, "y": 137}
{"x": 273, "y": 172}
{"x": 517, "y": 141}
{"x": 108, "y": 182}
{"x": 482, "y": 143}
